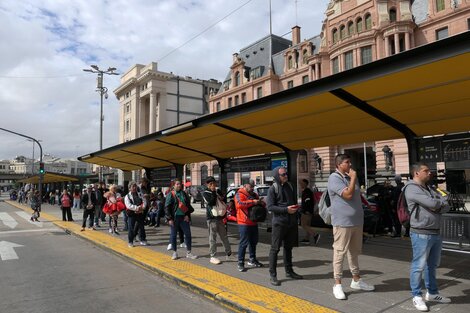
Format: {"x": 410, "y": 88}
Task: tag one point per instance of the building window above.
{"x": 303, "y": 165}
{"x": 237, "y": 102}
{"x": 259, "y": 92}
{"x": 237, "y": 79}
{"x": 305, "y": 79}
{"x": 348, "y": 60}
{"x": 304, "y": 56}
{"x": 392, "y": 15}
{"x": 227, "y": 84}
{"x": 335, "y": 36}
{"x": 217, "y": 107}
{"x": 256, "y": 72}
{"x": 128, "y": 126}
{"x": 230, "y": 102}
{"x": 366, "y": 55}
{"x": 290, "y": 84}
{"x": 440, "y": 5}
{"x": 204, "y": 174}
{"x": 335, "y": 65}
{"x": 289, "y": 62}
{"x": 342, "y": 32}
{"x": 350, "y": 28}
{"x": 359, "y": 25}
{"x": 244, "y": 97}
{"x": 368, "y": 21}
{"x": 128, "y": 108}
{"x": 468, "y": 24}
{"x": 442, "y": 33}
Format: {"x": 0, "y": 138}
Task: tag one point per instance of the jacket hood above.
{"x": 276, "y": 173}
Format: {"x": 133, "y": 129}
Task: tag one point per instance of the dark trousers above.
{"x": 137, "y": 221}
{"x": 86, "y": 214}
{"x": 286, "y": 236}
{"x": 248, "y": 238}
{"x": 180, "y": 223}
{"x": 68, "y": 212}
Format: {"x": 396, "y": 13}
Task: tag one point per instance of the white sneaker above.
{"x": 183, "y": 245}
{"x": 110, "y": 230}
{"x": 419, "y": 304}
{"x": 436, "y": 298}
{"x": 214, "y": 260}
{"x": 174, "y": 256}
{"x": 338, "y": 292}
{"x": 191, "y": 256}
{"x": 361, "y": 285}
{"x": 144, "y": 243}
{"x": 169, "y": 247}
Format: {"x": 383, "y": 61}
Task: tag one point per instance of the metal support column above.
{"x": 223, "y": 176}
{"x": 292, "y": 168}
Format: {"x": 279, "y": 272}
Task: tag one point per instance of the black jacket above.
{"x": 308, "y": 201}
{"x": 210, "y": 197}
{"x": 84, "y": 201}
{"x": 277, "y": 203}
{"x": 171, "y": 205}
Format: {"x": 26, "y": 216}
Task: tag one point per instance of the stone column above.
{"x": 387, "y": 46}
{"x": 317, "y": 69}
{"x": 152, "y": 117}
{"x": 407, "y": 41}
{"x": 158, "y": 126}
{"x": 396, "y": 38}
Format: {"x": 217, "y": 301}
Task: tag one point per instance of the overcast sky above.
{"x": 45, "y": 45}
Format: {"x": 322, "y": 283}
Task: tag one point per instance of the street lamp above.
{"x": 103, "y": 92}
{"x": 32, "y": 162}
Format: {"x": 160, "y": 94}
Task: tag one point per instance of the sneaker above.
{"x": 254, "y": 263}
{"x": 294, "y": 275}
{"x": 83, "y": 229}
{"x": 419, "y": 304}
{"x": 316, "y": 239}
{"x": 228, "y": 257}
{"x": 214, "y": 260}
{"x": 183, "y": 245}
{"x": 110, "y": 230}
{"x": 169, "y": 247}
{"x": 174, "y": 256}
{"x": 274, "y": 281}
{"x": 241, "y": 267}
{"x": 191, "y": 256}
{"x": 130, "y": 245}
{"x": 144, "y": 243}
{"x": 338, "y": 292}
{"x": 361, "y": 285}
{"x": 116, "y": 232}
{"x": 436, "y": 298}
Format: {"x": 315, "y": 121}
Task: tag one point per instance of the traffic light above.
{"x": 41, "y": 168}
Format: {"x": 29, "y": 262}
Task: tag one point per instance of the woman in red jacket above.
{"x": 244, "y": 199}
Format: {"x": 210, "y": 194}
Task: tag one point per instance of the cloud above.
{"x": 45, "y": 45}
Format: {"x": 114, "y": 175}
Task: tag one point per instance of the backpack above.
{"x": 404, "y": 214}
{"x": 65, "y": 201}
{"x": 257, "y": 213}
{"x": 276, "y": 190}
{"x": 324, "y": 207}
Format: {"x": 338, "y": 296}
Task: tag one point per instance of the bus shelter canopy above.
{"x": 420, "y": 92}
{"x": 48, "y": 178}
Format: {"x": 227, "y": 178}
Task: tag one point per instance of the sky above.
{"x": 46, "y": 44}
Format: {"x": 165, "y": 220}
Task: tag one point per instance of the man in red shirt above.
{"x": 244, "y": 199}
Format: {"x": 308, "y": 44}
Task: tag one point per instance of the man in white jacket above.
{"x": 135, "y": 205}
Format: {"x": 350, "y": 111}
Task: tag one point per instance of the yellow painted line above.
{"x": 230, "y": 291}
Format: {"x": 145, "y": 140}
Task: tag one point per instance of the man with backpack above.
{"x": 245, "y": 199}
{"x": 425, "y": 207}
{"x": 347, "y": 218}
{"x": 281, "y": 202}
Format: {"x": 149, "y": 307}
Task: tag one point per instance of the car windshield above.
{"x": 262, "y": 191}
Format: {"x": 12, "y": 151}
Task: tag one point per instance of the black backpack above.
{"x": 257, "y": 213}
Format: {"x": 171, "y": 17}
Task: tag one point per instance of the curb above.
{"x": 232, "y": 293}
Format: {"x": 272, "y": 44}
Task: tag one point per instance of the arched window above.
{"x": 237, "y": 79}
{"x": 303, "y": 164}
{"x": 368, "y": 19}
{"x": 204, "y": 174}
{"x": 289, "y": 62}
{"x": 359, "y": 25}
{"x": 215, "y": 172}
{"x": 342, "y": 32}
{"x": 392, "y": 15}
{"x": 350, "y": 28}
{"x": 304, "y": 56}
{"x": 335, "y": 35}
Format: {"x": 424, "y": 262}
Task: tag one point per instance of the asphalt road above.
{"x": 56, "y": 272}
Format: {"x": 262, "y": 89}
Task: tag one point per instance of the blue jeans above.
{"x": 426, "y": 257}
{"x": 180, "y": 223}
{"x": 248, "y": 238}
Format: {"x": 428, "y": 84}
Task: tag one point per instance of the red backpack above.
{"x": 404, "y": 214}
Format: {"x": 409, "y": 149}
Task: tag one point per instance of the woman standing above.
{"x": 76, "y": 200}
{"x": 113, "y": 207}
{"x": 65, "y": 202}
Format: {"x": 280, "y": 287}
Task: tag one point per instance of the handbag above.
{"x": 181, "y": 204}
{"x": 219, "y": 209}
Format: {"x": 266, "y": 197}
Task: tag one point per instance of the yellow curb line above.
{"x": 234, "y": 293}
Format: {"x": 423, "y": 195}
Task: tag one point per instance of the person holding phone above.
{"x": 281, "y": 202}
{"x": 347, "y": 218}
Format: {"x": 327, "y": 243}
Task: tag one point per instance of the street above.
{"x": 43, "y": 269}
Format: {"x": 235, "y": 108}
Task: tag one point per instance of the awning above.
{"x": 48, "y": 178}
{"x": 424, "y": 91}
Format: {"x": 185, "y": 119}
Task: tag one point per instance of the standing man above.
{"x": 426, "y": 207}
{"x": 215, "y": 222}
{"x": 347, "y": 218}
{"x": 135, "y": 205}
{"x": 306, "y": 210}
{"x": 88, "y": 203}
{"x": 396, "y": 191}
{"x": 245, "y": 198}
{"x": 281, "y": 202}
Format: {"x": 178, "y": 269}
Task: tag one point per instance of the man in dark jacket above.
{"x": 88, "y": 203}
{"x": 306, "y": 210}
{"x": 426, "y": 207}
{"x": 281, "y": 202}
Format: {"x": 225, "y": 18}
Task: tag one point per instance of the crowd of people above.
{"x": 140, "y": 207}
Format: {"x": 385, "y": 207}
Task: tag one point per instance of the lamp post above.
{"x": 32, "y": 162}
{"x": 103, "y": 92}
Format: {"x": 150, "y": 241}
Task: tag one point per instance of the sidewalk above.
{"x": 385, "y": 263}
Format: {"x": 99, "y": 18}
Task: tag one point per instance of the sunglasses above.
{"x": 283, "y": 174}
